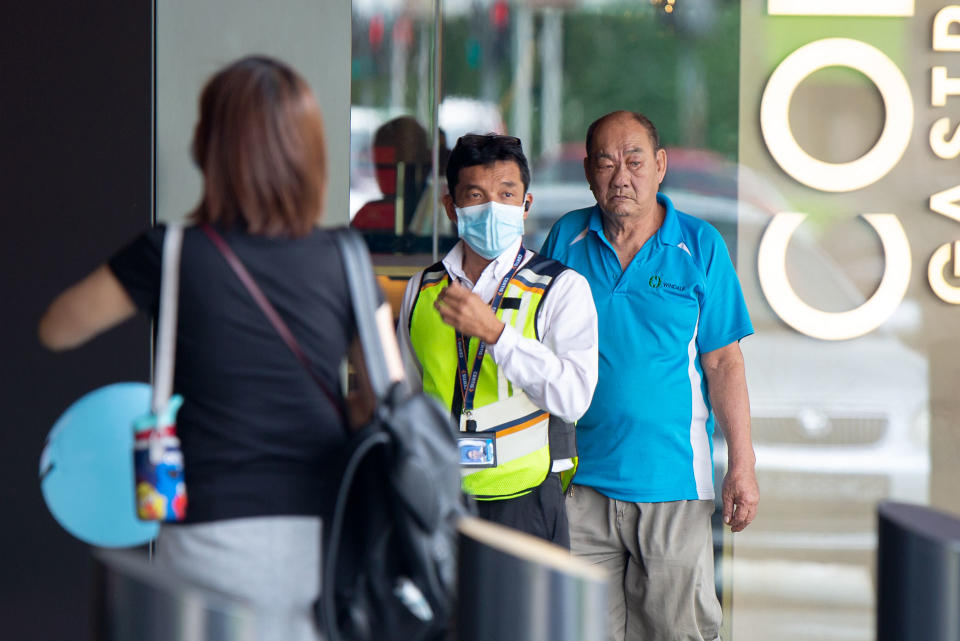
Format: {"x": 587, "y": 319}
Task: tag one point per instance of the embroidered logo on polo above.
{"x": 656, "y": 282}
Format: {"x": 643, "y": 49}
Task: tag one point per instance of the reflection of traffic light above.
{"x": 474, "y": 50}
{"x": 500, "y": 15}
{"x": 498, "y": 40}
{"x": 375, "y": 33}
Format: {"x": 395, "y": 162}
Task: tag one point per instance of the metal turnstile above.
{"x": 137, "y": 601}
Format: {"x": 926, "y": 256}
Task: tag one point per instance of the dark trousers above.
{"x": 542, "y": 512}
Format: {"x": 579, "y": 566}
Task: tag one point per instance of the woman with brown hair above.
{"x": 261, "y": 442}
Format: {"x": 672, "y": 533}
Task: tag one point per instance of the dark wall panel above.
{"x": 74, "y": 185}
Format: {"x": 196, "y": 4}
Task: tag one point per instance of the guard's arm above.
{"x": 559, "y": 372}
{"x": 727, "y": 384}
{"x": 88, "y": 308}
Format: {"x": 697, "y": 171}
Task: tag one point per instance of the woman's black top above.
{"x": 258, "y": 436}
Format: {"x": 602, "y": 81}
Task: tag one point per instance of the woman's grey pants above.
{"x": 272, "y": 562}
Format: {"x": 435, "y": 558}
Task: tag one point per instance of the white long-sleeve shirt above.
{"x": 558, "y": 372}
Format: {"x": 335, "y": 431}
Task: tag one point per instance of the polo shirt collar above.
{"x": 596, "y": 221}
{"x": 668, "y": 234}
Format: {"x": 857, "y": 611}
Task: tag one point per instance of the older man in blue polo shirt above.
{"x": 671, "y": 315}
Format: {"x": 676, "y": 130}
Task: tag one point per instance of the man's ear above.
{"x": 450, "y": 208}
{"x": 661, "y": 164}
{"x": 527, "y": 203}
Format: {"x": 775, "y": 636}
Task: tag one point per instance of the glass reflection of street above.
{"x": 837, "y": 425}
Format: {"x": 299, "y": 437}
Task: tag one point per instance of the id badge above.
{"x": 477, "y": 450}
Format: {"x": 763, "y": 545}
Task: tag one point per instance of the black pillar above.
{"x": 918, "y": 574}
{"x": 74, "y": 186}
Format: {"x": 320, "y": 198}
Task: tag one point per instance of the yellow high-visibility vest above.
{"x": 521, "y": 428}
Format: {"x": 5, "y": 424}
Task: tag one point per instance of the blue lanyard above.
{"x": 468, "y": 381}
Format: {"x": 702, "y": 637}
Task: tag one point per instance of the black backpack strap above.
{"x": 362, "y": 285}
{"x": 363, "y": 293}
{"x": 405, "y": 498}
{"x": 325, "y": 607}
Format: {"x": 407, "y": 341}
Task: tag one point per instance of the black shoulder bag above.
{"x": 389, "y": 566}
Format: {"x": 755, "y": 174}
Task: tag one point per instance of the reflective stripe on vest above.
{"x": 523, "y": 451}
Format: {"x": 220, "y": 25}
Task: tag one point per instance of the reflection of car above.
{"x": 558, "y": 185}
{"x": 837, "y": 426}
{"x": 461, "y": 115}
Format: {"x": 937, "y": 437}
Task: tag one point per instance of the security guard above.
{"x": 505, "y": 338}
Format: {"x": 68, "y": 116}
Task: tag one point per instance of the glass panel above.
{"x": 520, "y": 67}
{"x": 392, "y": 131}
{"x": 845, "y": 406}
{"x": 543, "y": 71}
{"x": 194, "y": 39}
{"x": 840, "y": 404}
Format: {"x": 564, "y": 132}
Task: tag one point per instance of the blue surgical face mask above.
{"x": 490, "y": 228}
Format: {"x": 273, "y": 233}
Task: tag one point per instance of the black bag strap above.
{"x": 363, "y": 292}
{"x": 325, "y": 607}
{"x": 270, "y": 312}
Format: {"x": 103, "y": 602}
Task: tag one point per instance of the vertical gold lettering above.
{"x": 943, "y": 40}
{"x": 942, "y": 86}
{"x": 939, "y": 144}
{"x": 944, "y": 290}
{"x": 945, "y": 203}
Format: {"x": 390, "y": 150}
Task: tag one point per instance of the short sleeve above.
{"x": 724, "y": 318}
{"x": 137, "y": 267}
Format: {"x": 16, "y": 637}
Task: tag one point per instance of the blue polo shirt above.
{"x": 647, "y": 435}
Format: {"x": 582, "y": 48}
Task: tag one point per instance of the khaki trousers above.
{"x": 660, "y": 560}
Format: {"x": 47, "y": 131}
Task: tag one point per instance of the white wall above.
{"x": 195, "y": 39}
